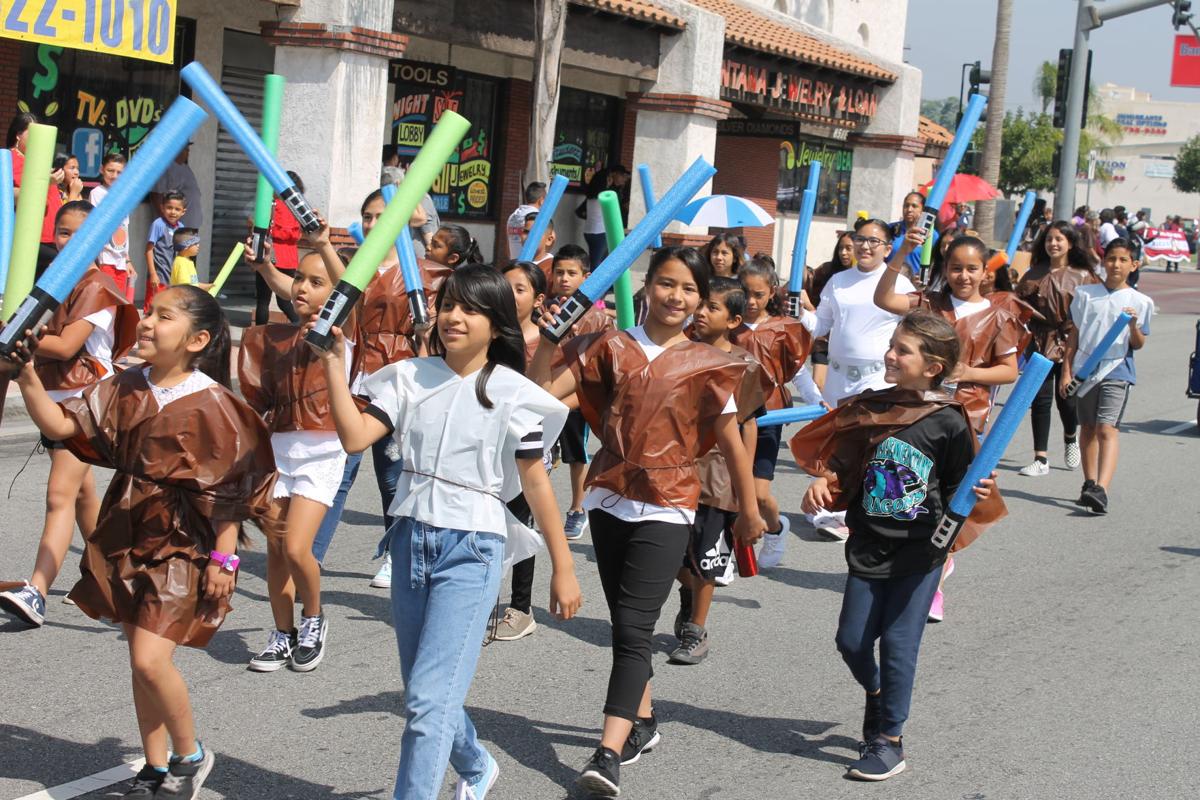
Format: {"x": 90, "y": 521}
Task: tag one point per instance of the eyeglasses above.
{"x": 870, "y": 242}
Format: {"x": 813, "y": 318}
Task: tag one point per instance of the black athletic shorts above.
{"x": 766, "y": 452}
{"x": 573, "y": 439}
{"x": 711, "y": 545}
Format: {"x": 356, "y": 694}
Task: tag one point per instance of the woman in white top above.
{"x": 471, "y": 430}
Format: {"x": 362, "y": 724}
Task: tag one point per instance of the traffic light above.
{"x": 979, "y": 77}
{"x": 1060, "y": 87}
{"x": 1181, "y": 14}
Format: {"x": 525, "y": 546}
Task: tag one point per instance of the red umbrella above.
{"x": 965, "y": 188}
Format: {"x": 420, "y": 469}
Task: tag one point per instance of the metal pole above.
{"x": 1064, "y": 193}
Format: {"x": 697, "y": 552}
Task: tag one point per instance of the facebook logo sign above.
{"x": 87, "y": 144}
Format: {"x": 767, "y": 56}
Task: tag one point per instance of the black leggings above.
{"x": 638, "y": 562}
{"x": 262, "y": 303}
{"x": 522, "y": 571}
{"x": 1039, "y": 414}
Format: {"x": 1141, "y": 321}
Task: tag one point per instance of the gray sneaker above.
{"x": 26, "y": 603}
{"x": 184, "y": 778}
{"x": 575, "y": 525}
{"x": 515, "y": 625}
{"x": 693, "y": 645}
{"x": 145, "y": 784}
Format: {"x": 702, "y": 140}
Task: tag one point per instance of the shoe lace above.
{"x": 690, "y": 639}
{"x": 510, "y": 617}
{"x": 310, "y": 632}
{"x": 279, "y": 643}
{"x": 878, "y": 747}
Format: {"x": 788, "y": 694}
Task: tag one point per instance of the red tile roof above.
{"x": 636, "y": 9}
{"x": 933, "y": 134}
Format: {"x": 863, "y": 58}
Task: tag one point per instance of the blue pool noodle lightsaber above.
{"x": 8, "y": 217}
{"x": 252, "y": 145}
{"x": 954, "y": 156}
{"x": 414, "y": 287}
{"x": 1093, "y": 361}
{"x": 1014, "y": 241}
{"x": 544, "y": 217}
{"x": 648, "y": 196}
{"x": 355, "y": 231}
{"x": 624, "y": 254}
{"x": 992, "y": 449}
{"x": 786, "y": 416}
{"x": 808, "y": 207}
{"x": 152, "y": 158}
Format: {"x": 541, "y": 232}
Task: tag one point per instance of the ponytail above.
{"x": 206, "y": 315}
{"x": 461, "y": 243}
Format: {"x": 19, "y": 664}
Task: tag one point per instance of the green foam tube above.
{"x": 927, "y": 252}
{"x": 31, "y": 209}
{"x": 264, "y": 195}
{"x": 227, "y": 269}
{"x": 614, "y": 231}
{"x": 425, "y": 168}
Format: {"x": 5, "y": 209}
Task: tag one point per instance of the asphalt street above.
{"x": 1064, "y": 669}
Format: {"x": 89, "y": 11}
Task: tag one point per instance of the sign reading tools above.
{"x": 142, "y": 29}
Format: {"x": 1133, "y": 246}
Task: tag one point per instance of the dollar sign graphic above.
{"x": 44, "y": 83}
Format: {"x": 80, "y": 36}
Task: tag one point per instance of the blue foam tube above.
{"x": 958, "y": 148}
{"x": 355, "y": 231}
{"x": 1093, "y": 361}
{"x": 252, "y": 145}
{"x": 785, "y": 416}
{"x": 544, "y": 216}
{"x": 1014, "y": 241}
{"x": 808, "y": 207}
{"x": 992, "y": 449}
{"x": 7, "y": 213}
{"x": 623, "y": 255}
{"x": 152, "y": 158}
{"x": 414, "y": 287}
{"x": 648, "y": 195}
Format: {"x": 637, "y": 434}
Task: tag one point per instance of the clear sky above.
{"x": 1133, "y": 50}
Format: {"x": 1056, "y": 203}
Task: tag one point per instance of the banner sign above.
{"x": 142, "y": 29}
{"x": 825, "y": 97}
{"x": 1185, "y": 61}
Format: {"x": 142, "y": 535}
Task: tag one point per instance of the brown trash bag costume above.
{"x": 385, "y": 332}
{"x": 283, "y": 379}
{"x": 204, "y": 458}
{"x": 838, "y": 445}
{"x": 781, "y": 345}
{"x": 1050, "y": 294}
{"x": 94, "y": 292}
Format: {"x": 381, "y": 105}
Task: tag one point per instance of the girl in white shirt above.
{"x": 471, "y": 430}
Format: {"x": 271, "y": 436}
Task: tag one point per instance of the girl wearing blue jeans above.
{"x": 471, "y": 429}
{"x": 892, "y": 459}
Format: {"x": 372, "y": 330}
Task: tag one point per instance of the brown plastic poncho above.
{"x": 203, "y": 458}
{"x": 385, "y": 327}
{"x": 838, "y": 445}
{"x": 654, "y": 418}
{"x": 593, "y": 321}
{"x": 283, "y": 379}
{"x": 985, "y": 337}
{"x": 94, "y": 292}
{"x": 781, "y": 345}
{"x": 1050, "y": 294}
{"x": 716, "y": 485}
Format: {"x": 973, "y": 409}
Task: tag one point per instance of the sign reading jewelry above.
{"x": 835, "y": 98}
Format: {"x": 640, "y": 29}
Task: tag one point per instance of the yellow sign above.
{"x": 131, "y": 28}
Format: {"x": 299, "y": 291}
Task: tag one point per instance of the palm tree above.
{"x": 550, "y": 25}
{"x": 1045, "y": 82}
{"x": 985, "y": 212}
{"x": 1100, "y": 133}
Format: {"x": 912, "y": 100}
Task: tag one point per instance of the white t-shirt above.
{"x": 116, "y": 249}
{"x": 595, "y": 217}
{"x": 516, "y": 226}
{"x": 1108, "y": 232}
{"x": 99, "y": 344}
{"x": 1094, "y": 309}
{"x": 635, "y": 510}
{"x": 859, "y": 331}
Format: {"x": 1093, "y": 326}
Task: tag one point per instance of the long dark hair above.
{"x": 699, "y": 267}
{"x": 762, "y": 266}
{"x": 462, "y": 244}
{"x": 833, "y": 266}
{"x": 20, "y": 123}
{"x": 205, "y": 313}
{"x": 1077, "y": 254}
{"x": 735, "y": 245}
{"x": 482, "y": 289}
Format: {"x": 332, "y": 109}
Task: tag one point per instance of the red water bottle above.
{"x": 747, "y": 561}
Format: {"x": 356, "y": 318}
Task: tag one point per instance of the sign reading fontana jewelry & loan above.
{"x": 826, "y": 97}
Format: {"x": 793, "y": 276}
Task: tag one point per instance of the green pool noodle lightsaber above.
{"x": 264, "y": 195}
{"x": 614, "y": 230}
{"x": 927, "y": 253}
{"x": 443, "y": 140}
{"x": 31, "y": 209}
{"x": 227, "y": 268}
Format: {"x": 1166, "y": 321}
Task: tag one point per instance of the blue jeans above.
{"x": 894, "y": 612}
{"x": 444, "y": 584}
{"x": 387, "y": 472}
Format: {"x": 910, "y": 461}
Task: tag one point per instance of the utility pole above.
{"x": 1091, "y": 15}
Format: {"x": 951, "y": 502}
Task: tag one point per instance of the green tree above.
{"x": 1187, "y": 167}
{"x": 944, "y": 112}
{"x": 1045, "y": 80}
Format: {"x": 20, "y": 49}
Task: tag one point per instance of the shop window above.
{"x": 833, "y": 192}
{"x": 587, "y": 136}
{"x": 99, "y": 102}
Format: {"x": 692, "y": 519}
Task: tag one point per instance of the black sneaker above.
{"x": 685, "y": 610}
{"x": 872, "y": 721}
{"x": 1088, "y": 484}
{"x": 882, "y": 759}
{"x": 145, "y": 783}
{"x": 277, "y": 653}
{"x": 601, "y": 775}
{"x": 693, "y": 645}
{"x": 642, "y": 739}
{"x": 184, "y": 778}
{"x": 1095, "y": 499}
{"x": 310, "y": 643}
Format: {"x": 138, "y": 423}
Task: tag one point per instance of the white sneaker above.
{"x": 1035, "y": 470}
{"x": 771, "y": 553}
{"x": 383, "y": 578}
{"x": 1072, "y": 458}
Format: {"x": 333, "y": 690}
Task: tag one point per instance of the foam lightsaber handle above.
{"x": 443, "y": 140}
{"x": 227, "y": 269}
{"x": 355, "y": 231}
{"x": 954, "y": 156}
{"x": 7, "y": 214}
{"x": 620, "y": 259}
{"x": 1018, "y": 231}
{"x": 647, "y": 196}
{"x": 264, "y": 195}
{"x": 544, "y": 216}
{"x": 992, "y": 449}
{"x": 614, "y": 231}
{"x": 156, "y": 152}
{"x": 232, "y": 120}
{"x": 1093, "y": 361}
{"x": 31, "y": 210}
{"x": 786, "y": 416}
{"x": 414, "y": 287}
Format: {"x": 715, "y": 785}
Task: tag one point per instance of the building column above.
{"x": 883, "y": 153}
{"x": 334, "y": 55}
